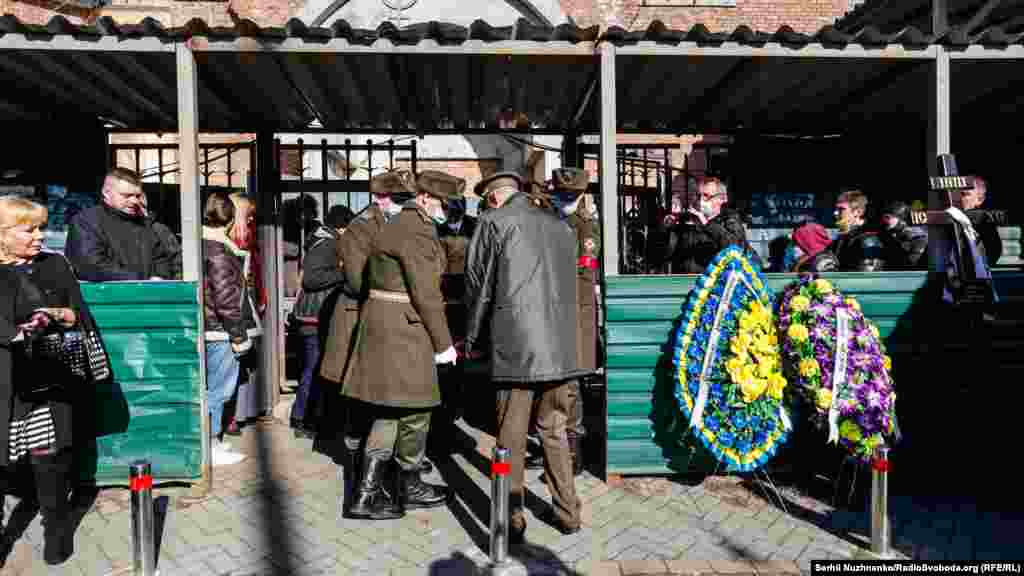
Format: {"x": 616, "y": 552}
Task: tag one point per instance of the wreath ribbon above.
{"x": 697, "y": 416}
{"x": 839, "y": 372}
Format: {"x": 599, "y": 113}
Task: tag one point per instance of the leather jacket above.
{"x": 905, "y": 247}
{"x": 859, "y": 250}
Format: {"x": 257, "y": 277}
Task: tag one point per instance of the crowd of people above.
{"x": 413, "y": 277}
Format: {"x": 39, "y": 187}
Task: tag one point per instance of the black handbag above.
{"x": 79, "y": 352}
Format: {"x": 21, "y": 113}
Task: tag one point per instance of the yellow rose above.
{"x": 824, "y": 398}
{"x": 773, "y": 338}
{"x": 703, "y": 295}
{"x": 823, "y": 286}
{"x": 798, "y": 332}
{"x": 853, "y": 304}
{"x": 873, "y": 329}
{"x": 752, "y": 387}
{"x": 887, "y": 362}
{"x": 848, "y": 429}
{"x": 748, "y": 322}
{"x": 808, "y": 367}
{"x": 800, "y": 303}
{"x": 776, "y": 384}
{"x": 734, "y": 366}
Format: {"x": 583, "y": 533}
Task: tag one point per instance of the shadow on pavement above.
{"x": 276, "y": 500}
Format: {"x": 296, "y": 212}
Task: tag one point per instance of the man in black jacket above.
{"x": 521, "y": 280}
{"x": 982, "y": 220}
{"x": 691, "y": 240}
{"x": 858, "y": 248}
{"x": 114, "y": 240}
{"x": 905, "y": 246}
{"x": 321, "y": 274}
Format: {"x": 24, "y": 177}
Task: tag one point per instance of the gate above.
{"x": 645, "y": 191}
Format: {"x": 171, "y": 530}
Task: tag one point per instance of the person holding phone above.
{"x": 39, "y": 294}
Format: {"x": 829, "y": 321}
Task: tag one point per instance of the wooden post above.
{"x": 609, "y": 170}
{"x": 191, "y": 231}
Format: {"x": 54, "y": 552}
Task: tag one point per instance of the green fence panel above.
{"x": 645, "y": 431}
{"x": 151, "y": 409}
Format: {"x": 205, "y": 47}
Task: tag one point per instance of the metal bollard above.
{"x": 500, "y": 469}
{"x": 143, "y": 549}
{"x": 880, "y": 502}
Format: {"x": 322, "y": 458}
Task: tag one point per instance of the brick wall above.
{"x": 769, "y": 15}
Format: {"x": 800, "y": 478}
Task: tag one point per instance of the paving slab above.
{"x": 279, "y": 515}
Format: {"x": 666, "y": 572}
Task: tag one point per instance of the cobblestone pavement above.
{"x": 276, "y": 514}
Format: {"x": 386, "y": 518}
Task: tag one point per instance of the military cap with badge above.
{"x": 444, "y": 187}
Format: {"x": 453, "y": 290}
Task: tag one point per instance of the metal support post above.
{"x": 880, "y": 502}
{"x": 143, "y": 549}
{"x": 500, "y": 469}
{"x": 609, "y": 168}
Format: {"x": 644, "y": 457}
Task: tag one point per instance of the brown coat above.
{"x": 393, "y": 355}
{"x": 354, "y": 247}
{"x": 586, "y": 324}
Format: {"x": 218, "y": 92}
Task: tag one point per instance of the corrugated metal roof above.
{"x": 970, "y": 21}
{"x": 418, "y": 85}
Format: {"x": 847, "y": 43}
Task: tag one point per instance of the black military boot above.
{"x": 417, "y": 494}
{"x": 350, "y": 477}
{"x": 370, "y": 500}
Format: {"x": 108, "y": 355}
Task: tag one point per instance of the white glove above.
{"x": 447, "y": 357}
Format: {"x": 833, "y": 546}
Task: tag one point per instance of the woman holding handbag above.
{"x": 42, "y": 316}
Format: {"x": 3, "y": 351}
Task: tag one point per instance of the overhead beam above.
{"x": 384, "y": 46}
{"x": 318, "y": 105}
{"x": 91, "y": 65}
{"x": 609, "y": 162}
{"x": 735, "y": 81}
{"x": 65, "y": 43}
{"x": 977, "y": 52}
{"x": 773, "y": 49}
{"x": 980, "y": 16}
{"x": 75, "y": 82}
{"x": 584, "y": 102}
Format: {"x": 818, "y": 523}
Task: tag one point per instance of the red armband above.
{"x": 587, "y": 262}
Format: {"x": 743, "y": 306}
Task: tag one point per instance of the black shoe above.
{"x": 371, "y": 501}
{"x": 534, "y": 462}
{"x": 549, "y": 517}
{"x": 516, "y": 534}
{"x": 417, "y": 494}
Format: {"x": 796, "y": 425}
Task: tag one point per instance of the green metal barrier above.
{"x": 151, "y": 409}
{"x": 645, "y": 434}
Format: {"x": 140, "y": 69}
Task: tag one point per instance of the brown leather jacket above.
{"x": 228, "y": 313}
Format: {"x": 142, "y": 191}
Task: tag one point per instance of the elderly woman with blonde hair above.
{"x": 39, "y": 296}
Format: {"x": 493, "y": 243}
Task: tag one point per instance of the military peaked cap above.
{"x": 507, "y": 178}
{"x": 575, "y": 179}
{"x": 440, "y": 185}
{"x": 392, "y": 182}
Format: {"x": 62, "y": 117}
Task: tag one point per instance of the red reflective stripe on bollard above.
{"x": 880, "y": 465}
{"x": 141, "y": 483}
{"x": 500, "y": 468}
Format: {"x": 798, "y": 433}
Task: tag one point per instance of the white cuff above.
{"x": 447, "y": 357}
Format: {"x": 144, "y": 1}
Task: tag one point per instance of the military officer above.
{"x": 403, "y": 318}
{"x": 574, "y": 207}
{"x": 354, "y": 249}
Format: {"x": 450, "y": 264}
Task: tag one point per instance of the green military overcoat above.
{"x": 393, "y": 355}
{"x": 588, "y": 244}
{"x": 354, "y": 247}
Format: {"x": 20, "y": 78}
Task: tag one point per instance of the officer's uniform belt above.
{"x": 389, "y": 296}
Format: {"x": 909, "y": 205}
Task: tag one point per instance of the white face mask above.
{"x": 570, "y": 208}
{"x": 707, "y": 208}
{"x": 439, "y": 216}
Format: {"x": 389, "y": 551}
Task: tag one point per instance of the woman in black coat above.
{"x": 38, "y": 294}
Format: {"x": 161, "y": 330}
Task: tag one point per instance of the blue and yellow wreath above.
{"x": 731, "y": 387}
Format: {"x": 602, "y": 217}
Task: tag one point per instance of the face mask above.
{"x": 454, "y": 224}
{"x": 566, "y": 205}
{"x": 707, "y": 208}
{"x": 439, "y": 216}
